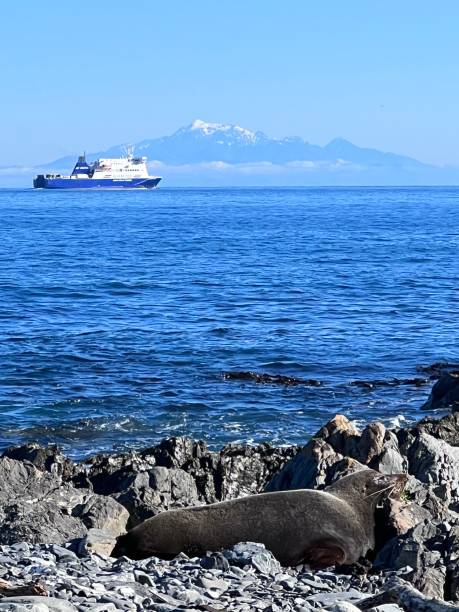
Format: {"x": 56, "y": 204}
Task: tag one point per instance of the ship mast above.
{"x": 128, "y": 151}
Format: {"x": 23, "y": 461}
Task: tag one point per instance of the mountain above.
{"x": 202, "y": 142}
{"x": 214, "y": 154}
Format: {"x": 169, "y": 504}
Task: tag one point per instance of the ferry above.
{"x": 126, "y": 172}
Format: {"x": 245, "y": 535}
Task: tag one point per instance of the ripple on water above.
{"x": 115, "y": 327}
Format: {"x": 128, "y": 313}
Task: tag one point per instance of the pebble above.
{"x": 245, "y": 578}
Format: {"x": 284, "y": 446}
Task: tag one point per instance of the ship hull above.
{"x": 42, "y": 182}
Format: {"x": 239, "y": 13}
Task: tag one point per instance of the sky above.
{"x": 87, "y": 75}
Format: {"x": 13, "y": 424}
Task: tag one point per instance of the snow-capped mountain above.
{"x": 218, "y": 154}
{"x": 214, "y": 142}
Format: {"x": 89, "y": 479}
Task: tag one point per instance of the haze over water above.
{"x": 120, "y": 310}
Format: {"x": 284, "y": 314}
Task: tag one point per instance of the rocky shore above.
{"x": 59, "y": 521}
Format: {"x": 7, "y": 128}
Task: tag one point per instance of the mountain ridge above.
{"x": 201, "y": 142}
{"x": 203, "y": 154}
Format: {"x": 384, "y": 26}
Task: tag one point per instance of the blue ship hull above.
{"x": 43, "y": 182}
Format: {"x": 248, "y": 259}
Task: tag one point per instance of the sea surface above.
{"x": 119, "y": 311}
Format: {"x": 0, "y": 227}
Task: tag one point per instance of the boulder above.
{"x": 96, "y": 541}
{"x": 48, "y": 459}
{"x": 255, "y": 555}
{"x": 308, "y": 470}
{"x": 433, "y": 462}
{"x": 104, "y": 513}
{"x": 36, "y": 506}
{"x": 336, "y": 449}
{"x": 437, "y": 369}
{"x": 446, "y": 428}
{"x": 445, "y": 393}
{"x": 245, "y": 470}
{"x": 426, "y": 551}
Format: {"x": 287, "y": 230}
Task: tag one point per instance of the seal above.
{"x": 318, "y": 528}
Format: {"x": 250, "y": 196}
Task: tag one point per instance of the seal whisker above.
{"x": 392, "y": 487}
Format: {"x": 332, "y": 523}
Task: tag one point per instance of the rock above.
{"x": 424, "y": 549}
{"x": 270, "y": 379}
{"x": 36, "y": 506}
{"x": 245, "y": 470}
{"x": 101, "y": 584}
{"x": 35, "y": 604}
{"x": 253, "y": 554}
{"x": 62, "y": 554}
{"x": 105, "y": 513}
{"x": 214, "y": 561}
{"x": 371, "y": 443}
{"x": 180, "y": 472}
{"x": 342, "y": 606}
{"x": 435, "y": 370}
{"x": 48, "y": 459}
{"x": 157, "y": 490}
{"x": 387, "y": 608}
{"x": 311, "y": 467}
{"x": 96, "y": 541}
{"x": 431, "y": 582}
{"x": 328, "y": 599}
{"x": 433, "y": 462}
{"x": 446, "y": 428}
{"x": 401, "y": 516}
{"x": 237, "y": 470}
{"x": 445, "y": 393}
{"x": 390, "y": 461}
{"x": 307, "y": 470}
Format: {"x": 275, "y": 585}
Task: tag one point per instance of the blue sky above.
{"x": 86, "y": 75}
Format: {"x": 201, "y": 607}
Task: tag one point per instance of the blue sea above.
{"x": 120, "y": 311}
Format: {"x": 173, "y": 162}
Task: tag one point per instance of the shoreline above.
{"x": 59, "y": 519}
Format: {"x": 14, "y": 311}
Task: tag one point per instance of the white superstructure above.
{"x": 120, "y": 168}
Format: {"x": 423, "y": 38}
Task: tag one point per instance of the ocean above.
{"x": 120, "y": 311}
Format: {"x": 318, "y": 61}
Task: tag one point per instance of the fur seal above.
{"x": 318, "y": 528}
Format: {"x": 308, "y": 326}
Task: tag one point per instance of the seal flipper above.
{"x": 324, "y": 553}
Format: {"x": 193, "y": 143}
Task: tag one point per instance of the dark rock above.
{"x": 446, "y": 428}
{"x": 180, "y": 472}
{"x": 370, "y": 444}
{"x": 393, "y": 382}
{"x": 110, "y": 474}
{"x": 36, "y": 506}
{"x": 214, "y": 561}
{"x": 390, "y": 459}
{"x": 424, "y": 549}
{"x": 433, "y": 462}
{"x": 270, "y": 379}
{"x": 245, "y": 470}
{"x": 435, "y": 370}
{"x": 179, "y": 453}
{"x": 48, "y": 459}
{"x": 445, "y": 393}
{"x": 159, "y": 489}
